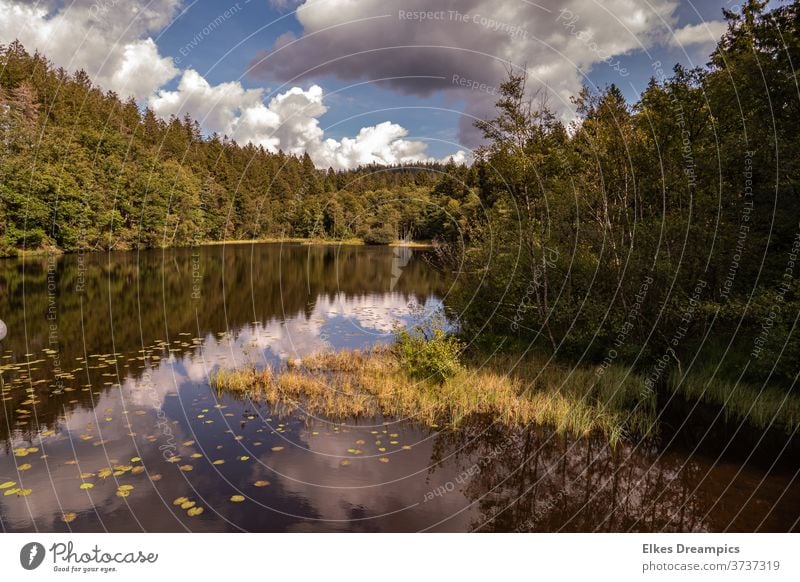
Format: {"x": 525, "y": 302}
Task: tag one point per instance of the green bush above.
{"x": 429, "y": 353}
{"x": 379, "y": 236}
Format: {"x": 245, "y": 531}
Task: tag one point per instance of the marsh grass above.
{"x": 368, "y": 383}
{"x": 763, "y": 407}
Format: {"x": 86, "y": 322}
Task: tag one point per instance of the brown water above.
{"x": 108, "y": 417}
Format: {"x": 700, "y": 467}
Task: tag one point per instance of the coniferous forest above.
{"x": 87, "y": 169}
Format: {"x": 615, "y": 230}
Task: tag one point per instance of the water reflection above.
{"x": 108, "y": 419}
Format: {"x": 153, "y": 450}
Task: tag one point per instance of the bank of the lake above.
{"x": 354, "y": 241}
{"x": 513, "y": 389}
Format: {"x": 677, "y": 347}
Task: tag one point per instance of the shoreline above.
{"x": 42, "y": 252}
{"x": 571, "y": 400}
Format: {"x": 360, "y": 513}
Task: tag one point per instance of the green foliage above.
{"x": 428, "y": 352}
{"x": 382, "y": 235}
{"x": 82, "y": 169}
{"x": 648, "y": 228}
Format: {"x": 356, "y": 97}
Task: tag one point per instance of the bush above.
{"x": 379, "y": 236}
{"x": 429, "y": 353}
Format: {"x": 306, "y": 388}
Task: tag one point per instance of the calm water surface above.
{"x": 108, "y": 419}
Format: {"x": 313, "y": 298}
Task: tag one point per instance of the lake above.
{"x": 109, "y": 423}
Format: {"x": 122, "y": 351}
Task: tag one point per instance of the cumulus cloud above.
{"x": 704, "y": 33}
{"x": 420, "y": 47}
{"x": 109, "y": 39}
{"x": 112, "y": 41}
{"x": 289, "y": 121}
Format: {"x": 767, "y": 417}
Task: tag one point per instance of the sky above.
{"x": 352, "y": 82}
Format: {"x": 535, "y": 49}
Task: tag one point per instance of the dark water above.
{"x": 105, "y": 386}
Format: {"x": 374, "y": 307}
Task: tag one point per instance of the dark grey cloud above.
{"x": 462, "y": 47}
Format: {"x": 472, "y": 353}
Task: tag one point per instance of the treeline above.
{"x": 84, "y": 169}
{"x": 663, "y": 234}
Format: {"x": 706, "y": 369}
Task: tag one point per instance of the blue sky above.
{"x": 305, "y": 80}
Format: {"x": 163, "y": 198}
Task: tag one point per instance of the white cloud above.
{"x": 141, "y": 70}
{"x": 109, "y": 39}
{"x": 704, "y": 33}
{"x": 289, "y": 121}
{"x": 420, "y": 46}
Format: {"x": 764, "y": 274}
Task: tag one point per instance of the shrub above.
{"x": 429, "y": 353}
{"x": 383, "y": 235}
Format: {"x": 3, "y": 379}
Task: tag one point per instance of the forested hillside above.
{"x": 664, "y": 233}
{"x": 84, "y": 169}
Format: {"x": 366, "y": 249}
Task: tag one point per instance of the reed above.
{"x": 367, "y": 383}
{"x": 763, "y": 406}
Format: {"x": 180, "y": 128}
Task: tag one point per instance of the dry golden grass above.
{"x": 355, "y": 383}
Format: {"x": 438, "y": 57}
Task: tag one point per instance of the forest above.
{"x": 662, "y": 235}
{"x": 83, "y": 169}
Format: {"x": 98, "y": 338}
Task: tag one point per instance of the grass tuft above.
{"x": 368, "y": 383}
